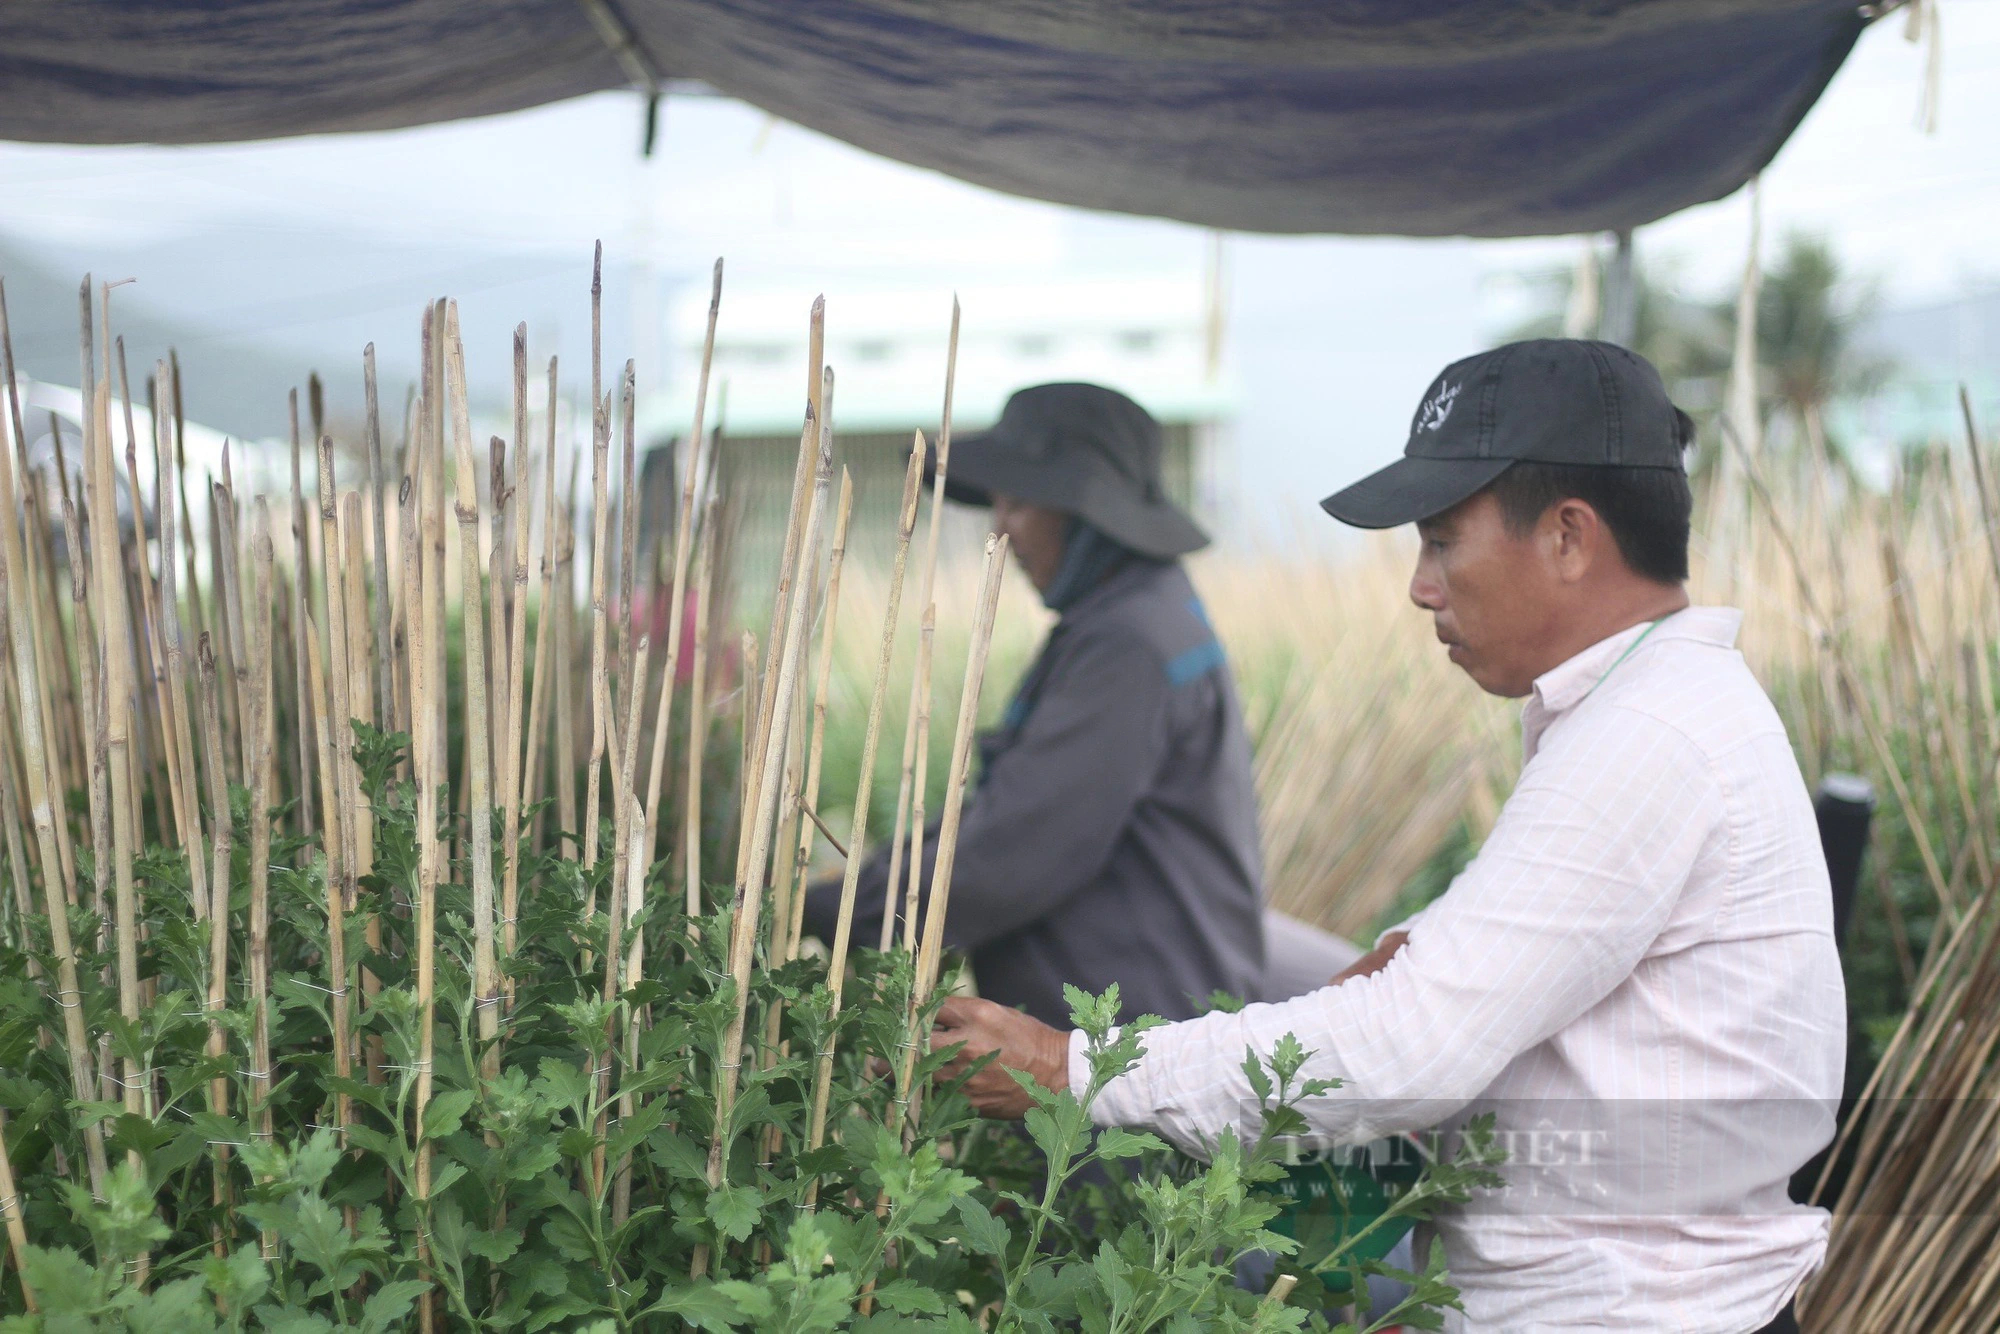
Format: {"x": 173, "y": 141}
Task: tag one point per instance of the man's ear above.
{"x": 1578, "y": 536}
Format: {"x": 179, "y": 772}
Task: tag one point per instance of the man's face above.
{"x": 1035, "y": 533}
{"x": 1492, "y": 596}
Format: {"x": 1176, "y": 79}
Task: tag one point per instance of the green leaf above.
{"x": 910, "y": 1298}
{"x": 751, "y": 1301}
{"x": 1120, "y": 1143}
{"x": 701, "y": 1305}
{"x": 237, "y": 1281}
{"x": 180, "y": 1307}
{"x": 445, "y": 1175}
{"x": 62, "y": 1280}
{"x": 389, "y": 1305}
{"x": 978, "y": 1230}
{"x": 558, "y": 1311}
{"x": 320, "y": 1238}
{"x": 498, "y": 1247}
{"x": 734, "y": 1211}
{"x": 313, "y": 1162}
{"x": 1287, "y": 1057}
{"x": 444, "y": 1112}
{"x": 1253, "y": 1070}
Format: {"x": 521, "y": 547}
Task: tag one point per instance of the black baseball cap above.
{"x": 1571, "y": 401}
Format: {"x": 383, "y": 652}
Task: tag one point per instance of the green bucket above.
{"x": 1336, "y": 1193}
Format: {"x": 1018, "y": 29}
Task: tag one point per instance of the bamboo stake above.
{"x": 760, "y": 737}
{"x": 176, "y": 731}
{"x": 419, "y": 575}
{"x": 1946, "y": 900}
{"x": 544, "y": 629}
{"x": 435, "y": 559}
{"x": 32, "y": 700}
{"x": 749, "y": 895}
{"x": 697, "y": 719}
{"x": 10, "y": 812}
{"x": 164, "y": 749}
{"x": 628, "y": 880}
{"x": 802, "y": 860}
{"x": 916, "y": 733}
{"x": 51, "y": 664}
{"x": 111, "y": 627}
{"x": 625, "y": 736}
{"x": 628, "y": 546}
{"x": 930, "y": 958}
{"x": 263, "y": 799}
{"x": 409, "y": 608}
{"x": 746, "y": 768}
{"x": 218, "y": 916}
{"x": 333, "y": 837}
{"x": 499, "y": 582}
{"x": 61, "y": 721}
{"x": 863, "y": 791}
{"x": 228, "y": 625}
{"x": 930, "y": 961}
{"x": 802, "y": 476}
{"x": 565, "y": 666}
{"x": 10, "y": 1210}
{"x": 635, "y": 904}
{"x": 512, "y": 777}
{"x": 486, "y": 988}
{"x": 231, "y": 594}
{"x": 361, "y": 816}
{"x": 97, "y": 776}
{"x": 334, "y": 707}
{"x": 301, "y": 582}
{"x": 683, "y": 544}
{"x": 920, "y": 727}
{"x": 378, "y": 500}
{"x": 600, "y": 698}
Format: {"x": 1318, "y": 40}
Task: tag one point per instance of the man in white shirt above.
{"x": 1637, "y": 974}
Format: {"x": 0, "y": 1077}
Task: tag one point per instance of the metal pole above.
{"x": 1619, "y": 322}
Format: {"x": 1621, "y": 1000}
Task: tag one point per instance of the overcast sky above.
{"x": 314, "y": 245}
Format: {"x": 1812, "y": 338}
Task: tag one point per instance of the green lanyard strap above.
{"x": 1630, "y": 649}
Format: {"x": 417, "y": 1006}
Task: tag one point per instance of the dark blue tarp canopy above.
{"x": 1418, "y": 117}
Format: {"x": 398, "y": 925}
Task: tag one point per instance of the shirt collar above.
{"x": 1565, "y": 686}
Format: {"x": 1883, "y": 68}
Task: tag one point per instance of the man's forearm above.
{"x": 1375, "y": 960}
{"x": 1190, "y": 1085}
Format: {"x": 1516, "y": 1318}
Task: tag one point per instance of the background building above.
{"x": 1154, "y": 338}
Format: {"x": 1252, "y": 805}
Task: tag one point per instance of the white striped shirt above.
{"x": 1636, "y": 975}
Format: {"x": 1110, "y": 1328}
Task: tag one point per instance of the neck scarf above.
{"x": 1088, "y": 556}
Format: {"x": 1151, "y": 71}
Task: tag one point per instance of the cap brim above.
{"x": 982, "y": 466}
{"x": 968, "y": 453}
{"x": 1410, "y": 490}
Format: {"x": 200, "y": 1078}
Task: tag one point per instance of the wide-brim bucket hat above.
{"x": 1082, "y": 449}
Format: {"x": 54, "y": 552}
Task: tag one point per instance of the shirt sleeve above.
{"x": 1577, "y": 880}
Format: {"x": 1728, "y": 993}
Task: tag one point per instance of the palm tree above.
{"x": 1809, "y": 317}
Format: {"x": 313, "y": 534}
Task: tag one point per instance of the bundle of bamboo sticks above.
{"x": 1877, "y": 617}
{"x": 166, "y": 683}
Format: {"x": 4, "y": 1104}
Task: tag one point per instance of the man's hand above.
{"x": 1375, "y": 960}
{"x": 1023, "y": 1043}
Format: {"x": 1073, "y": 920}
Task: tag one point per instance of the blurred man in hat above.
{"x": 1636, "y": 976}
{"x": 1113, "y": 833}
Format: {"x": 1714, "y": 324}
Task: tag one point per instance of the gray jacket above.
{"x": 1113, "y": 835}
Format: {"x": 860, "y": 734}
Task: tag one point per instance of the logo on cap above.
{"x": 1432, "y": 414}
